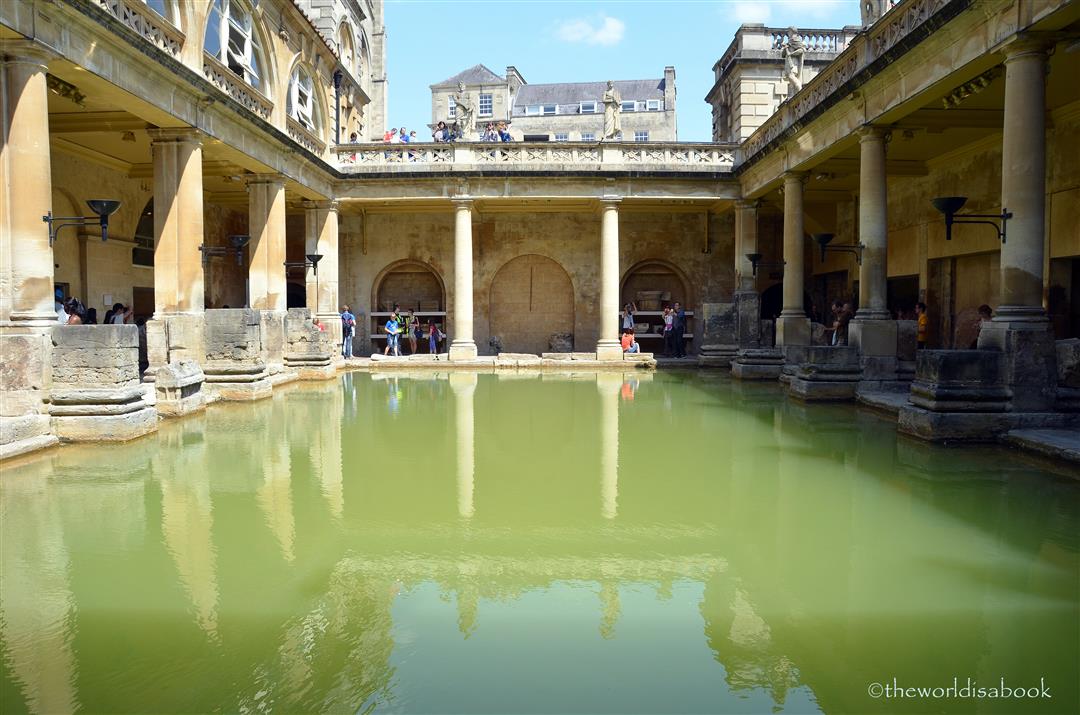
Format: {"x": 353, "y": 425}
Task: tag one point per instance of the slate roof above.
{"x": 574, "y": 92}
{"x": 477, "y": 74}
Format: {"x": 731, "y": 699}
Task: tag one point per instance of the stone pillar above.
{"x": 26, "y": 259}
{"x": 793, "y": 327}
{"x": 266, "y": 263}
{"x": 608, "y": 385}
{"x": 608, "y": 347}
{"x": 747, "y": 298}
{"x": 873, "y": 332}
{"x": 321, "y": 227}
{"x": 462, "y": 346}
{"x": 464, "y": 386}
{"x": 176, "y": 331}
{"x": 1023, "y": 185}
{"x": 1020, "y": 326}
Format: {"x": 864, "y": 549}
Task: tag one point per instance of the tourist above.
{"x": 75, "y": 311}
{"x": 91, "y": 316}
{"x": 403, "y": 326}
{"x": 985, "y": 313}
{"x": 628, "y": 316}
{"x": 629, "y": 345}
{"x": 395, "y": 138}
{"x": 348, "y": 329}
{"x": 403, "y": 136}
{"x": 412, "y": 330}
{"x": 318, "y": 324}
{"x": 920, "y": 313}
{"x": 847, "y": 312}
{"x": 387, "y": 134}
{"x": 432, "y": 339}
{"x": 504, "y": 133}
{"x": 58, "y": 306}
{"x": 412, "y": 137}
{"x": 669, "y": 335}
{"x": 121, "y": 314}
{"x": 392, "y": 332}
{"x": 678, "y": 327}
{"x": 440, "y": 135}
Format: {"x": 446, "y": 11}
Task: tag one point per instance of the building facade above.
{"x": 570, "y": 111}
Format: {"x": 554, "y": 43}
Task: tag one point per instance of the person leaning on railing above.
{"x": 440, "y": 135}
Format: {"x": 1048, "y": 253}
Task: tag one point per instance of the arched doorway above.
{"x": 655, "y": 278}
{"x": 532, "y": 298}
{"x": 410, "y": 285}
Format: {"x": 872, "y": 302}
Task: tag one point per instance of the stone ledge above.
{"x": 1057, "y": 443}
{"x": 20, "y": 447}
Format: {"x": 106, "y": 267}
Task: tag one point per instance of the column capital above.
{"x": 791, "y": 177}
{"x": 871, "y": 133}
{"x": 610, "y": 202}
{"x": 747, "y": 204}
{"x": 1028, "y": 44}
{"x": 254, "y": 179}
{"x": 463, "y": 202}
{"x": 321, "y": 205}
{"x": 175, "y": 135}
{"x": 27, "y": 52}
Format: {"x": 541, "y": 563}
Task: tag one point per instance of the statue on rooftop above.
{"x": 463, "y": 111}
{"x": 612, "y": 104}
{"x": 793, "y": 53}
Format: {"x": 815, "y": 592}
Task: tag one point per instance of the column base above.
{"x": 873, "y": 337}
{"x": 1029, "y": 365}
{"x": 609, "y": 350}
{"x": 792, "y": 330}
{"x": 461, "y": 350}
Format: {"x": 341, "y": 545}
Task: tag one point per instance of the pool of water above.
{"x": 521, "y": 543}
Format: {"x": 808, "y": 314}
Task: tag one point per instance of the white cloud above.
{"x": 603, "y": 31}
{"x": 781, "y": 12}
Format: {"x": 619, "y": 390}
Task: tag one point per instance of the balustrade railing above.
{"x": 135, "y": 15}
{"x": 536, "y": 156}
{"x": 227, "y": 81}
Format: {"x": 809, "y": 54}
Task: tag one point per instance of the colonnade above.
{"x": 1020, "y": 300}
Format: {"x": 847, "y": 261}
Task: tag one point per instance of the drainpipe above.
{"x": 337, "y": 106}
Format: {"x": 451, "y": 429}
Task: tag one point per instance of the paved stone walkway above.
{"x": 1058, "y": 443}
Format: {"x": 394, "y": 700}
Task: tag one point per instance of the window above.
{"x": 532, "y": 109}
{"x": 451, "y": 108}
{"x": 143, "y": 252}
{"x": 641, "y": 136}
{"x": 549, "y": 109}
{"x": 231, "y": 38}
{"x": 562, "y": 137}
{"x": 345, "y": 48}
{"x": 588, "y": 107}
{"x": 653, "y": 105}
{"x": 485, "y": 105}
{"x": 588, "y": 137}
{"x": 629, "y": 106}
{"x": 300, "y": 105}
{"x": 163, "y": 8}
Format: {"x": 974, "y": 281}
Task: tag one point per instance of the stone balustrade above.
{"x": 138, "y": 17}
{"x": 910, "y": 19}
{"x": 813, "y": 40}
{"x": 678, "y": 157}
{"x": 227, "y": 81}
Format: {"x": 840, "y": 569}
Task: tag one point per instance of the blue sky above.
{"x": 580, "y": 41}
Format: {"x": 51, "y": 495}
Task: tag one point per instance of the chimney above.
{"x": 669, "y": 88}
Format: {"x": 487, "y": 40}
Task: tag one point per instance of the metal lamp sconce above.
{"x": 313, "y": 263}
{"x": 102, "y": 208}
{"x": 235, "y": 247}
{"x": 824, "y": 239}
{"x": 949, "y": 205}
{"x": 756, "y": 262}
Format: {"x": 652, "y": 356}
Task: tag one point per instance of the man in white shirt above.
{"x": 58, "y": 306}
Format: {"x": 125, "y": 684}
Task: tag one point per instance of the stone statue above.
{"x": 794, "y": 50}
{"x": 612, "y": 103}
{"x": 464, "y": 112}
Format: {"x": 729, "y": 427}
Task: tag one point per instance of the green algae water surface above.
{"x": 541, "y": 544}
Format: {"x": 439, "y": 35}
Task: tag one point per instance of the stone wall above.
{"x": 569, "y": 239}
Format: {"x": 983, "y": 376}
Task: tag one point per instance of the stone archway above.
{"x": 532, "y": 298}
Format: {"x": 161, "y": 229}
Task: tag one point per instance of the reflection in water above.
{"x": 464, "y": 386}
{"x": 741, "y": 554}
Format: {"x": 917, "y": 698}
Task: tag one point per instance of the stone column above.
{"x": 1020, "y": 326}
{"x": 176, "y": 331}
{"x": 462, "y": 346}
{"x": 747, "y": 299}
{"x": 608, "y": 347}
{"x": 608, "y": 385}
{"x": 464, "y": 386}
{"x": 321, "y": 228}
{"x": 873, "y": 331}
{"x": 793, "y": 327}
{"x": 266, "y": 263}
{"x": 1023, "y": 185}
{"x": 27, "y": 313}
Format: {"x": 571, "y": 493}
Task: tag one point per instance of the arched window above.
{"x": 345, "y": 48}
{"x": 301, "y": 105}
{"x": 231, "y": 38}
{"x": 165, "y": 8}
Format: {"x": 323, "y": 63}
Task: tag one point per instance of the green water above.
{"x": 496, "y": 544}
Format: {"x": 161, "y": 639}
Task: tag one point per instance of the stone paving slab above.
{"x": 890, "y": 402}
{"x": 1058, "y": 443}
